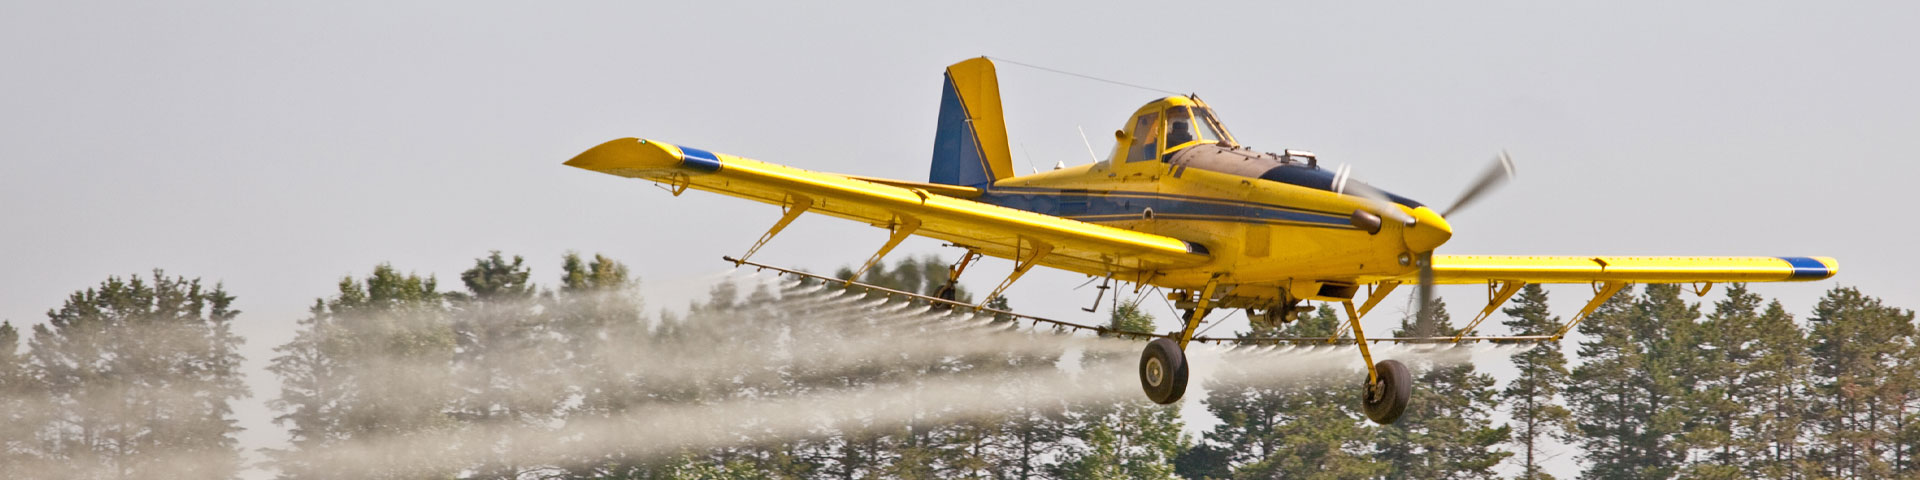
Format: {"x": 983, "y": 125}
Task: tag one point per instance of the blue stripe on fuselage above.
{"x": 698, "y": 159}
{"x": 1804, "y": 267}
{"x": 1096, "y": 207}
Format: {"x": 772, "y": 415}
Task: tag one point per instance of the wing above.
{"x": 1465, "y": 269}
{"x": 936, "y": 209}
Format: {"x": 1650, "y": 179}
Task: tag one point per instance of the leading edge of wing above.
{"x": 1465, "y": 269}
{"x": 649, "y": 159}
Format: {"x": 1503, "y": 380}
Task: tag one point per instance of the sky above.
{"x": 276, "y": 147}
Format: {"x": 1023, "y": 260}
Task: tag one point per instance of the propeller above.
{"x": 1377, "y": 201}
{"x": 1497, "y": 173}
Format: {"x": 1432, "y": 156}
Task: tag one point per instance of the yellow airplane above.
{"x": 1179, "y": 204}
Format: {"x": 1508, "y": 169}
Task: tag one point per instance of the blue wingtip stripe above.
{"x": 698, "y": 159}
{"x": 1807, "y": 267}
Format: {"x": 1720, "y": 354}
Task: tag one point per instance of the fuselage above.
{"x": 1272, "y": 223}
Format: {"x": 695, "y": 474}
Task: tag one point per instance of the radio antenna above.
{"x": 1083, "y": 140}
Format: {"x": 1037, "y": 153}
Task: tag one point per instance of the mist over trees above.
{"x": 516, "y": 374}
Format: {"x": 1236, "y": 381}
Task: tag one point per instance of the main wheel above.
{"x": 1163, "y": 371}
{"x": 945, "y": 292}
{"x": 1385, "y": 399}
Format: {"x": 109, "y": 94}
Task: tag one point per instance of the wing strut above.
{"x": 903, "y": 226}
{"x": 1020, "y": 267}
{"x": 1498, "y": 291}
{"x": 794, "y": 205}
{"x": 1601, "y": 292}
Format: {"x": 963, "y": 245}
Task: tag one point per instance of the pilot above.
{"x": 1179, "y": 127}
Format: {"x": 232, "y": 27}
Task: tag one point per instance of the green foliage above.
{"x": 372, "y": 361}
{"x": 134, "y": 379}
{"x": 21, "y": 416}
{"x": 1447, "y": 430}
{"x": 1863, "y": 386}
{"x": 1532, "y": 398}
{"x": 1130, "y": 318}
{"x": 1307, "y": 426}
{"x": 1132, "y": 440}
{"x": 1750, "y": 401}
{"x": 1635, "y": 398}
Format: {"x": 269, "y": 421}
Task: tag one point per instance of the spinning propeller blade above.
{"x": 1377, "y": 201}
{"x": 1496, "y": 174}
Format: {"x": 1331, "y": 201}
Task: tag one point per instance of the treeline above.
{"x": 392, "y": 376}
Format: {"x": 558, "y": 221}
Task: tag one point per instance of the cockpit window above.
{"x": 1210, "y": 129}
{"x": 1146, "y": 138}
{"x": 1179, "y": 126}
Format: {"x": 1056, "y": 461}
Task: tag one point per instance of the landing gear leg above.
{"x": 1389, "y": 384}
{"x": 951, "y": 289}
{"x": 1163, "y": 366}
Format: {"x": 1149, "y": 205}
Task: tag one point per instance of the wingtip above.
{"x": 628, "y": 153}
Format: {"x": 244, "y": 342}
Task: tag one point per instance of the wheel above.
{"x": 945, "y": 292}
{"x": 1163, "y": 371}
{"x": 1386, "y": 399}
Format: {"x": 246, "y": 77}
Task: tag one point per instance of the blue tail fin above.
{"x": 970, "y": 144}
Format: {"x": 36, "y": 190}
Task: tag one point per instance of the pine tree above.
{"x": 1634, "y": 402}
{"x": 1777, "y": 409}
{"x": 506, "y": 363}
{"x": 1863, "y": 384}
{"x": 22, "y": 400}
{"x": 141, "y": 377}
{"x": 599, "y": 318}
{"x": 1447, "y": 430}
{"x": 1130, "y": 440}
{"x": 1749, "y": 400}
{"x": 370, "y": 363}
{"x": 1305, "y": 427}
{"x": 1533, "y": 396}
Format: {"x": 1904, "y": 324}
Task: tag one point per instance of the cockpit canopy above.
{"x": 1183, "y": 132}
{"x": 1167, "y": 125}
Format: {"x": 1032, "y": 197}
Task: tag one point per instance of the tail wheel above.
{"x": 1163, "y": 371}
{"x": 1386, "y": 398}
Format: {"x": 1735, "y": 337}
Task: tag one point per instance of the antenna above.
{"x": 1083, "y": 140}
{"x": 1030, "y": 165}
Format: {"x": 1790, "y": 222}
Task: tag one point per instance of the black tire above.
{"x": 1163, "y": 371}
{"x": 945, "y": 292}
{"x": 1385, "y": 400}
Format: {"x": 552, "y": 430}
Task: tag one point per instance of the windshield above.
{"x": 1211, "y": 130}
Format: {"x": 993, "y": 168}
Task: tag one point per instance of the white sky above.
{"x": 279, "y": 146}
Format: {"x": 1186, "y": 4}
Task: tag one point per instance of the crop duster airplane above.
{"x": 1179, "y": 204}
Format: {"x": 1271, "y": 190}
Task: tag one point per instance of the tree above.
{"x": 1533, "y": 396}
{"x": 139, "y": 379}
{"x": 1447, "y": 430}
{"x": 1634, "y": 400}
{"x": 1303, "y": 426}
{"x": 1863, "y": 385}
{"x": 1750, "y": 400}
{"x": 369, "y": 365}
{"x": 21, "y": 402}
{"x": 508, "y": 369}
{"x": 1130, "y": 439}
{"x": 600, "y": 320}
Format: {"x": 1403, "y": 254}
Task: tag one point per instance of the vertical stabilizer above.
{"x": 970, "y": 144}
